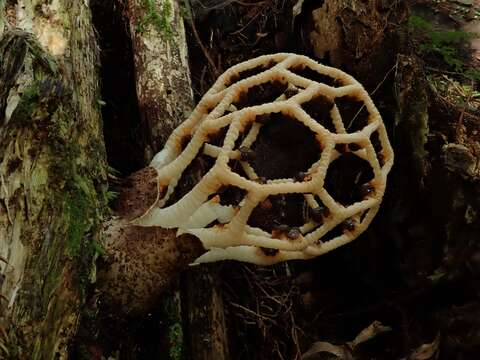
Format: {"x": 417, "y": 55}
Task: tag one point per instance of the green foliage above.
{"x": 78, "y": 224}
{"x": 111, "y": 195}
{"x": 473, "y": 74}
{"x": 170, "y": 306}
{"x": 175, "y": 337}
{"x": 444, "y": 43}
{"x": 417, "y": 22}
{"x": 113, "y": 172}
{"x": 157, "y": 17}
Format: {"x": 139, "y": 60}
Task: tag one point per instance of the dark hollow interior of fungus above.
{"x": 353, "y": 112}
{"x": 260, "y": 94}
{"x": 218, "y": 137}
{"x": 377, "y": 145}
{"x": 311, "y": 74}
{"x": 319, "y": 108}
{"x": 230, "y": 195}
{"x": 242, "y": 135}
{"x": 284, "y": 148}
{"x": 345, "y": 178}
{"x": 332, "y": 234}
{"x": 273, "y": 214}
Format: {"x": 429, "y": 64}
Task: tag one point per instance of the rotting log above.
{"x": 353, "y": 35}
{"x": 52, "y": 172}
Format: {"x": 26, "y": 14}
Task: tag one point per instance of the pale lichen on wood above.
{"x": 161, "y": 67}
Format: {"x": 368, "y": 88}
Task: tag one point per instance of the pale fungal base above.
{"x": 231, "y": 236}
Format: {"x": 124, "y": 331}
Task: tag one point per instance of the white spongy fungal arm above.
{"x": 176, "y": 215}
{"x": 249, "y": 254}
{"x": 221, "y": 237}
{"x": 208, "y": 213}
{"x": 214, "y": 236}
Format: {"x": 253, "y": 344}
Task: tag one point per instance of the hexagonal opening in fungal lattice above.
{"x": 283, "y": 158}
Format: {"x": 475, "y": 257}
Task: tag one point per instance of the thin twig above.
{"x": 464, "y": 107}
{"x": 251, "y": 312}
{"x": 200, "y": 43}
{"x": 384, "y": 79}
{"x": 372, "y": 93}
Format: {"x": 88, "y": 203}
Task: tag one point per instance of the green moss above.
{"x": 175, "y": 338}
{"x": 76, "y": 174}
{"x": 28, "y": 103}
{"x": 158, "y": 17}
{"x": 78, "y": 224}
{"x": 39, "y": 102}
{"x": 443, "y": 43}
{"x": 171, "y": 313}
{"x": 64, "y": 197}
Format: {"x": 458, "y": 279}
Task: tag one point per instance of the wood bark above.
{"x": 207, "y": 337}
{"x": 52, "y": 172}
{"x": 354, "y": 35}
{"x": 163, "y": 83}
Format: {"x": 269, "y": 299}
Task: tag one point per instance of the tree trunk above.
{"x": 52, "y": 172}
{"x": 160, "y": 54}
{"x": 165, "y": 98}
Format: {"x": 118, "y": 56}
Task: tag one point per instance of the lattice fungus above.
{"x": 292, "y": 159}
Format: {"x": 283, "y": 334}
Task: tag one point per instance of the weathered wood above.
{"x": 412, "y": 115}
{"x": 206, "y": 332}
{"x": 52, "y": 172}
{"x": 354, "y": 35}
{"x": 163, "y": 83}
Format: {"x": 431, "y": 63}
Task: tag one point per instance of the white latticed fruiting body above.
{"x": 253, "y": 131}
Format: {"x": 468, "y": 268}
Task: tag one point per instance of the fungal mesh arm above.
{"x": 249, "y": 101}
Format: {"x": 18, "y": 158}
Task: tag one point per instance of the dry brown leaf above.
{"x": 344, "y": 352}
{"x": 368, "y": 333}
{"x": 341, "y": 351}
{"x": 297, "y": 8}
{"x": 3, "y": 332}
{"x": 426, "y": 351}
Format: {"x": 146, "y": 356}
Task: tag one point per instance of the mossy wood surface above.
{"x": 52, "y": 173}
{"x": 160, "y": 55}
